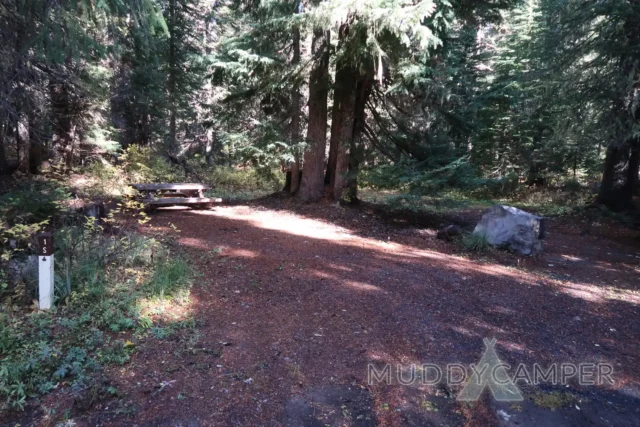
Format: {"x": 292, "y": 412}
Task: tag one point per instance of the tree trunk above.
{"x": 607, "y": 188}
{"x": 172, "y": 77}
{"x": 363, "y": 92}
{"x": 208, "y": 149}
{"x": 344, "y": 98}
{"x": 4, "y": 167}
{"x": 22, "y": 143}
{"x": 312, "y": 185}
{"x": 342, "y": 90}
{"x": 35, "y": 147}
{"x": 295, "y": 117}
{"x": 631, "y": 178}
{"x": 341, "y": 130}
{"x": 62, "y": 119}
{"x": 619, "y": 177}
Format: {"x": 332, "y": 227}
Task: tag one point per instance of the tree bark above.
{"x": 4, "y": 167}
{"x": 35, "y": 147}
{"x": 619, "y": 177}
{"x": 341, "y": 88}
{"x": 62, "y": 113}
{"x": 295, "y": 117}
{"x": 341, "y": 119}
{"x": 22, "y": 143}
{"x": 312, "y": 185}
{"x": 363, "y": 92}
{"x": 606, "y": 195}
{"x": 172, "y": 76}
{"x": 341, "y": 130}
{"x": 631, "y": 178}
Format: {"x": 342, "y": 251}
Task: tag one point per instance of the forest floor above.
{"x": 293, "y": 302}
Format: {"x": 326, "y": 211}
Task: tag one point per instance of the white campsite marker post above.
{"x": 45, "y": 269}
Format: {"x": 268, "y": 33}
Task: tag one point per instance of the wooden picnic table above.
{"x": 174, "y": 194}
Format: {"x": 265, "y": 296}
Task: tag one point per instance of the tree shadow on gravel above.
{"x": 299, "y": 307}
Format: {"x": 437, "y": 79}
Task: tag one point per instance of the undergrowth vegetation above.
{"x": 104, "y": 294}
{"x": 112, "y": 285}
{"x": 475, "y": 242}
{"x": 103, "y": 179}
{"x": 558, "y": 199}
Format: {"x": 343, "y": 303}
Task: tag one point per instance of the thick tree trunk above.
{"x": 312, "y": 185}
{"x": 341, "y": 130}
{"x": 295, "y": 118}
{"x": 619, "y": 176}
{"x": 631, "y": 178}
{"x": 296, "y": 174}
{"x": 363, "y": 92}
{"x": 607, "y": 194}
{"x": 352, "y": 180}
{"x": 172, "y": 77}
{"x": 343, "y": 89}
{"x": 62, "y": 119}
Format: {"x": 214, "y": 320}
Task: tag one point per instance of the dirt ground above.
{"x": 293, "y": 302}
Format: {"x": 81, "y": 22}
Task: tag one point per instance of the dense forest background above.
{"x": 426, "y": 112}
{"x": 391, "y": 94}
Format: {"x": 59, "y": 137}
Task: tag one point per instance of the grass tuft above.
{"x": 168, "y": 277}
{"x": 475, "y": 242}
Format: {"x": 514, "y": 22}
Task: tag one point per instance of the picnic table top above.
{"x": 184, "y": 201}
{"x": 170, "y": 186}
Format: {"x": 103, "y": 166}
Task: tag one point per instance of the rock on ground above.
{"x": 449, "y": 232}
{"x": 515, "y": 229}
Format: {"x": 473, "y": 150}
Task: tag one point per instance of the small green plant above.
{"x": 102, "y": 283}
{"x": 168, "y": 277}
{"x": 553, "y": 400}
{"x": 161, "y": 333}
{"x": 475, "y": 242}
{"x": 118, "y": 353}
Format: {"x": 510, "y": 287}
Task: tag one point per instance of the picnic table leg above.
{"x": 149, "y": 208}
{"x": 148, "y": 197}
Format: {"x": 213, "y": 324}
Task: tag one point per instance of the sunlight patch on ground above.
{"x": 600, "y": 294}
{"x": 362, "y": 286}
{"x": 464, "y": 331}
{"x": 243, "y": 253}
{"x": 513, "y": 347}
{"x": 572, "y": 258}
{"x": 195, "y": 243}
{"x": 340, "y": 268}
{"x": 316, "y": 229}
{"x": 172, "y": 308}
{"x": 284, "y": 222}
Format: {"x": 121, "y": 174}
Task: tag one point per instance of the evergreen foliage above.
{"x": 421, "y": 94}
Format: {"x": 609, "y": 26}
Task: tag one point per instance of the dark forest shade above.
{"x": 471, "y": 94}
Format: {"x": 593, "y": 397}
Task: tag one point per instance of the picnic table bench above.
{"x": 183, "y": 194}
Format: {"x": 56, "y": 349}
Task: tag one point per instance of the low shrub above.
{"x": 475, "y": 242}
{"x": 25, "y": 210}
{"x": 101, "y": 287}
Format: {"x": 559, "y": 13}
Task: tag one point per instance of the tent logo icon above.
{"x": 490, "y": 372}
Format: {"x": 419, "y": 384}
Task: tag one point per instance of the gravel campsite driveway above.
{"x": 292, "y": 303}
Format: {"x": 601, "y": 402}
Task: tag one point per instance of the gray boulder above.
{"x": 512, "y": 228}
